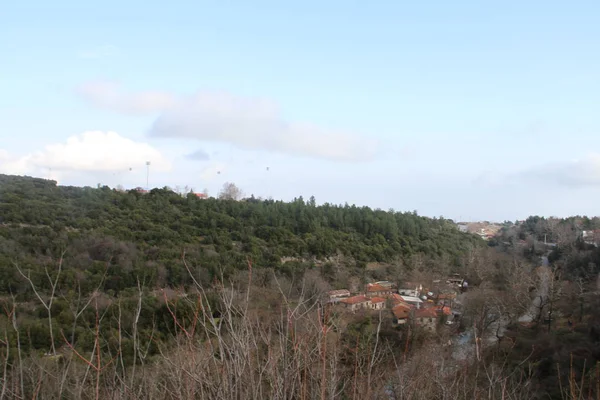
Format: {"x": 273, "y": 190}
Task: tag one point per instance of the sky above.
{"x": 467, "y": 110}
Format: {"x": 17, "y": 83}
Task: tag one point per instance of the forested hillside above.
{"x": 110, "y": 294}
{"x": 145, "y": 234}
{"x": 571, "y": 244}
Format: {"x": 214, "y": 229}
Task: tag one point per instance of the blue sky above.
{"x": 461, "y": 109}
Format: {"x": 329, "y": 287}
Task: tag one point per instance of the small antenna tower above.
{"x": 147, "y": 175}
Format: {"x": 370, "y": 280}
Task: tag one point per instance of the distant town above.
{"x": 426, "y": 304}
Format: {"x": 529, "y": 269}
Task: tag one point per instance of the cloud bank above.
{"x": 583, "y": 172}
{"x": 92, "y": 151}
{"x": 248, "y": 123}
{"x": 109, "y": 96}
{"x": 578, "y": 173}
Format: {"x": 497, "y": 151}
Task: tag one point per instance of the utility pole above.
{"x": 269, "y": 195}
{"x": 147, "y": 175}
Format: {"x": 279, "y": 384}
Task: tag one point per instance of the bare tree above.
{"x": 229, "y": 341}
{"x": 47, "y": 304}
{"x": 564, "y": 233}
{"x": 230, "y": 192}
{"x": 79, "y": 303}
{"x": 11, "y": 313}
{"x": 95, "y": 360}
{"x": 548, "y": 291}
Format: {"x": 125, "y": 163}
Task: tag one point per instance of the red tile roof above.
{"x": 426, "y": 313}
{"x": 403, "y": 304}
{"x": 374, "y": 287}
{"x": 377, "y": 300}
{"x": 444, "y": 309}
{"x": 395, "y": 297}
{"x": 401, "y": 312}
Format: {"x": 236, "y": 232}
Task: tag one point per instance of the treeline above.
{"x": 146, "y": 233}
{"x": 61, "y": 246}
{"x": 561, "y": 240}
{"x": 551, "y": 230}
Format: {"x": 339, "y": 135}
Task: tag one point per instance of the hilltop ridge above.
{"x": 221, "y": 234}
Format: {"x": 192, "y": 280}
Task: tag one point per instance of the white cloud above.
{"x": 103, "y": 51}
{"x": 583, "y": 172}
{"x": 89, "y": 152}
{"x": 107, "y": 95}
{"x": 248, "y": 123}
{"x": 10, "y": 164}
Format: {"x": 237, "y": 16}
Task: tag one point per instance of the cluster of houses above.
{"x": 484, "y": 230}
{"x": 141, "y": 190}
{"x": 418, "y": 305}
{"x": 591, "y": 237}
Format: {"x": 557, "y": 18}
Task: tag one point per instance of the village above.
{"x": 427, "y": 306}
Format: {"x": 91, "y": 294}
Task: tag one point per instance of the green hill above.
{"x": 39, "y": 216}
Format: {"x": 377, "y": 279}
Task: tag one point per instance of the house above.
{"x": 356, "y": 302}
{"x": 395, "y": 299}
{"x": 336, "y": 295}
{"x": 201, "y": 195}
{"x": 377, "y": 290}
{"x": 426, "y": 318}
{"x": 387, "y": 284}
{"x": 377, "y": 303}
{"x": 455, "y": 280}
{"x": 412, "y": 300}
{"x": 446, "y": 298}
{"x": 591, "y": 237}
{"x": 416, "y": 292}
{"x": 444, "y": 310}
{"x": 140, "y": 190}
{"x": 401, "y": 313}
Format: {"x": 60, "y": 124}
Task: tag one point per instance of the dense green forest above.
{"x": 145, "y": 234}
{"x": 116, "y": 242}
